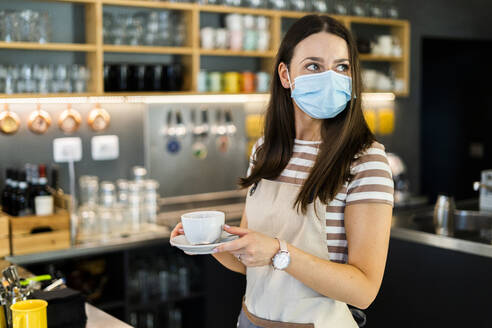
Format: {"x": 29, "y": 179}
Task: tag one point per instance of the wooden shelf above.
{"x": 237, "y": 10}
{"x": 150, "y": 4}
{"x": 148, "y": 49}
{"x": 221, "y": 52}
{"x": 73, "y": 1}
{"x": 48, "y": 46}
{"x": 380, "y": 58}
{"x": 376, "y": 21}
{"x": 47, "y": 95}
{"x": 191, "y": 54}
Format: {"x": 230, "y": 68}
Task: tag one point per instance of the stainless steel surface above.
{"x": 444, "y": 215}
{"x": 127, "y": 123}
{"x": 181, "y": 173}
{"x": 99, "y": 319}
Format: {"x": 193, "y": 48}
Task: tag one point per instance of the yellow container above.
{"x": 29, "y": 314}
{"x": 231, "y": 82}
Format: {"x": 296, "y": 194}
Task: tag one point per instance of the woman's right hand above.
{"x": 178, "y": 230}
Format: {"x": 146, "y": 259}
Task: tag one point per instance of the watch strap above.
{"x": 283, "y": 245}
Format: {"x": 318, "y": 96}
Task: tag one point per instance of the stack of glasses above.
{"x": 156, "y": 28}
{"x": 25, "y": 25}
{"x": 43, "y": 78}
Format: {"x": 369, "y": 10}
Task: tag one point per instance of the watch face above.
{"x": 281, "y": 261}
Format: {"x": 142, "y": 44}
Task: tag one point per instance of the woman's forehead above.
{"x": 323, "y": 45}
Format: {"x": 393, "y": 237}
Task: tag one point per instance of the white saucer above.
{"x": 183, "y": 244}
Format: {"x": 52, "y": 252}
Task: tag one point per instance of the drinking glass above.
{"x": 150, "y": 201}
{"x": 320, "y": 6}
{"x": 135, "y": 204}
{"x": 375, "y": 8}
{"x": 89, "y": 187}
{"x": 340, "y": 7}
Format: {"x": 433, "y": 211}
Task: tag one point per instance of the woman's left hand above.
{"x": 251, "y": 248}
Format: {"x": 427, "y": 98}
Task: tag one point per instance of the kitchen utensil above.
{"x": 9, "y": 121}
{"x": 444, "y": 215}
{"x": 98, "y": 119}
{"x": 203, "y": 227}
{"x": 69, "y": 120}
{"x": 182, "y": 243}
{"x": 30, "y": 314}
{"x": 39, "y": 121}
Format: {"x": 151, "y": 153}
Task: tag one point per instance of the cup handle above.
{"x": 18, "y": 320}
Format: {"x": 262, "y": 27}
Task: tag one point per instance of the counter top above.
{"x": 232, "y": 203}
{"x": 99, "y": 319}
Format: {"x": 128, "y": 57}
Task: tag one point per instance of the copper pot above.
{"x": 69, "y": 120}
{"x": 9, "y": 121}
{"x": 39, "y": 121}
{"x": 98, "y": 119}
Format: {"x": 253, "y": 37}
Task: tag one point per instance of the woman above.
{"x": 314, "y": 234}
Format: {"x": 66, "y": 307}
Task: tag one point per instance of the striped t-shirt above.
{"x": 372, "y": 183}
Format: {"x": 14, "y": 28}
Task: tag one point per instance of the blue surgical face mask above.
{"x": 321, "y": 95}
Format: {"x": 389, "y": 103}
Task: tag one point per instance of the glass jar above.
{"x": 89, "y": 187}
{"x": 151, "y": 198}
{"x": 108, "y": 195}
{"x": 134, "y": 205}
{"x": 87, "y": 223}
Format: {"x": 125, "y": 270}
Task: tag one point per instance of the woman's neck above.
{"x": 307, "y": 128}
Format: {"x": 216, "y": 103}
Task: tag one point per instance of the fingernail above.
{"x": 215, "y": 250}
{"x": 181, "y": 230}
{"x": 227, "y": 226}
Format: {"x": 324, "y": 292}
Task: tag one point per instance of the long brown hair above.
{"x": 343, "y": 136}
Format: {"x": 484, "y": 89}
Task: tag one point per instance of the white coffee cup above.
{"x": 207, "y": 37}
{"x": 203, "y": 227}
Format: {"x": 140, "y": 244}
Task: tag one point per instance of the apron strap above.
{"x": 263, "y": 323}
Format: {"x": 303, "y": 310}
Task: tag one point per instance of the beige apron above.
{"x": 275, "y": 295}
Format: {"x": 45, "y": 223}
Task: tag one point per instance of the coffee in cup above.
{"x": 203, "y": 227}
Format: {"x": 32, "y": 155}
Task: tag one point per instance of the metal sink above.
{"x": 469, "y": 225}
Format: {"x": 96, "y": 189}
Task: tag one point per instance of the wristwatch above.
{"x": 281, "y": 260}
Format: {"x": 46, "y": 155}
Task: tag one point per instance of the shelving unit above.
{"x": 191, "y": 52}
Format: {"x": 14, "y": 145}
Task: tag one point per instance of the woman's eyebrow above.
{"x": 318, "y": 59}
{"x": 341, "y": 60}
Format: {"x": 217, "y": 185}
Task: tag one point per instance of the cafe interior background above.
{"x": 161, "y": 101}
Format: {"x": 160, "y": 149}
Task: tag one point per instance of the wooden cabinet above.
{"x": 191, "y": 53}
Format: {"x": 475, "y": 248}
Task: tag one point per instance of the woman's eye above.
{"x": 342, "y": 68}
{"x": 313, "y": 67}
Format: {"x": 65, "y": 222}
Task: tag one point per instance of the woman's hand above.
{"x": 178, "y": 230}
{"x": 252, "y": 248}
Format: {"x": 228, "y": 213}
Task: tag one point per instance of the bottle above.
{"x": 55, "y": 189}
{"x": 43, "y": 200}
{"x": 7, "y": 189}
{"x": 20, "y": 196}
{"x": 32, "y": 188}
{"x": 12, "y": 200}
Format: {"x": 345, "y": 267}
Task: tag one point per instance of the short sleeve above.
{"x": 372, "y": 180}
{"x": 252, "y": 156}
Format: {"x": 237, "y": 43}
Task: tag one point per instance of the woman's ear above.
{"x": 283, "y": 75}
